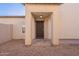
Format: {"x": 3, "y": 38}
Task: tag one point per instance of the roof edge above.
{"x": 41, "y": 3}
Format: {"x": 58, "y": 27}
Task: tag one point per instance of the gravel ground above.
{"x": 17, "y": 48}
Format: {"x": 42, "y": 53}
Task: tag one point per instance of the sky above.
{"x": 12, "y": 9}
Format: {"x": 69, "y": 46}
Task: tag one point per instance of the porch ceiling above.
{"x": 43, "y": 14}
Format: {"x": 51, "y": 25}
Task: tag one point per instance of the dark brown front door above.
{"x": 39, "y": 29}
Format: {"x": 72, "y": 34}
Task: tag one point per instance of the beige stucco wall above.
{"x": 47, "y": 28}
{"x": 17, "y": 26}
{"x": 5, "y": 32}
{"x": 42, "y": 7}
{"x": 69, "y": 21}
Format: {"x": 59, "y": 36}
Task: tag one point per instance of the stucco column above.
{"x": 55, "y": 26}
{"x": 28, "y": 28}
{"x": 33, "y": 28}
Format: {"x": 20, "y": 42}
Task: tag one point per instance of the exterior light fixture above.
{"x": 41, "y": 16}
{"x": 23, "y": 29}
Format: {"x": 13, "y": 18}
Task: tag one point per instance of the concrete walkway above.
{"x": 17, "y": 48}
{"x": 41, "y": 42}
